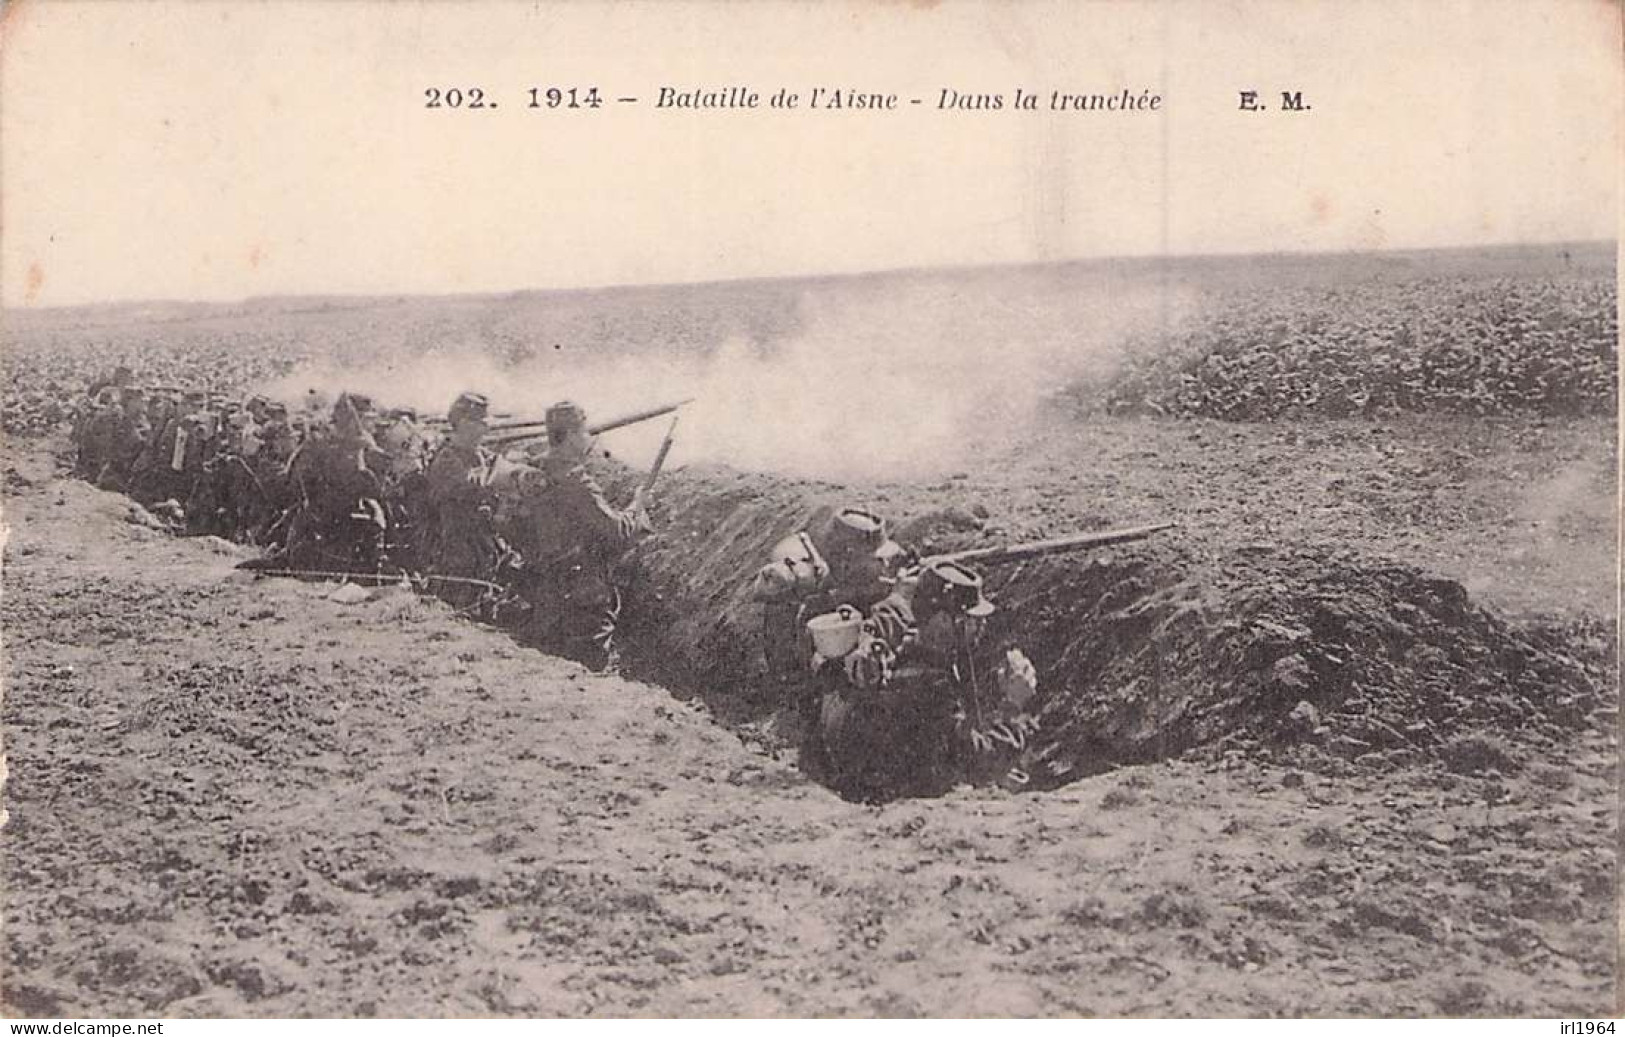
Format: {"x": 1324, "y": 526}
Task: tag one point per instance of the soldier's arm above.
{"x": 595, "y": 516}
{"x": 369, "y": 481}
{"x": 301, "y": 472}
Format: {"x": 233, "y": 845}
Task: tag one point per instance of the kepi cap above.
{"x": 468, "y": 406}
{"x": 359, "y": 402}
{"x": 564, "y": 417}
{"x": 949, "y": 586}
{"x": 853, "y": 528}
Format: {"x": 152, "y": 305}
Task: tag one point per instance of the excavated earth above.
{"x": 1375, "y": 778}
{"x": 1157, "y": 648}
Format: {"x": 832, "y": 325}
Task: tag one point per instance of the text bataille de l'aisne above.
{"x": 945, "y": 98}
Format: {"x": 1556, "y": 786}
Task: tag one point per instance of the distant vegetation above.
{"x": 1463, "y": 345}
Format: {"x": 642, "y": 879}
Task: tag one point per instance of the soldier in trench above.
{"x": 338, "y": 522}
{"x": 454, "y": 518}
{"x": 849, "y": 561}
{"x": 924, "y": 699}
{"x": 570, "y": 538}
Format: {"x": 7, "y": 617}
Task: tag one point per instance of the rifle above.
{"x": 437, "y": 420}
{"x": 1021, "y": 552}
{"x": 523, "y": 430}
{"x": 660, "y": 461}
{"x": 376, "y": 579}
{"x": 640, "y": 497}
{"x": 259, "y": 486}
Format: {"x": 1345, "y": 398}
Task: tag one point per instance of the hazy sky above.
{"x": 222, "y": 149}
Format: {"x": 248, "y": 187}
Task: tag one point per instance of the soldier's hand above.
{"x": 640, "y": 515}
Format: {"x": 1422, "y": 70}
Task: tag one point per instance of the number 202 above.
{"x": 474, "y": 97}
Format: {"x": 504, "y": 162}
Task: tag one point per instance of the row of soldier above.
{"x": 882, "y": 655}
{"x": 364, "y": 490}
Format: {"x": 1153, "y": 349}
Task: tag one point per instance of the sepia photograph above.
{"x": 951, "y": 509}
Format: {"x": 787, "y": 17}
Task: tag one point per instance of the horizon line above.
{"x": 898, "y": 271}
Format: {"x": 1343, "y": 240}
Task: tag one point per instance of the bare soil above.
{"x": 232, "y": 796}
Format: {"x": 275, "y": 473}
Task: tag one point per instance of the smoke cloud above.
{"x": 870, "y": 382}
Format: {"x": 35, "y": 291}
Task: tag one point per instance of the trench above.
{"x": 1146, "y": 651}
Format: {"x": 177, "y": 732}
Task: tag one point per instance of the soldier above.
{"x": 145, "y": 467}
{"x": 269, "y": 465}
{"x": 920, "y": 699}
{"x": 338, "y": 521}
{"x": 206, "y": 495}
{"x": 458, "y": 538}
{"x": 133, "y": 434}
{"x": 407, "y": 449}
{"x": 405, "y": 444}
{"x": 97, "y": 433}
{"x": 230, "y": 488}
{"x": 571, "y": 537}
{"x": 161, "y": 472}
{"x": 849, "y": 561}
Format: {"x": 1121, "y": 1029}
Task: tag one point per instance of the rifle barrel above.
{"x": 502, "y": 423}
{"x": 505, "y": 426}
{"x": 600, "y": 428}
{"x": 633, "y": 419}
{"x": 1038, "y": 548}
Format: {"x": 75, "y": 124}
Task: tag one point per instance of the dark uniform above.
{"x": 130, "y": 436}
{"x": 337, "y": 521}
{"x": 269, "y": 467}
{"x": 408, "y": 451}
{"x": 456, "y": 537}
{"x": 919, "y": 701}
{"x": 570, "y": 537}
{"x": 227, "y": 495}
{"x": 850, "y": 561}
{"x": 100, "y": 435}
{"x": 161, "y": 470}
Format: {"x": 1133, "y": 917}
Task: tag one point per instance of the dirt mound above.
{"x": 1150, "y": 650}
{"x": 1147, "y": 658}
